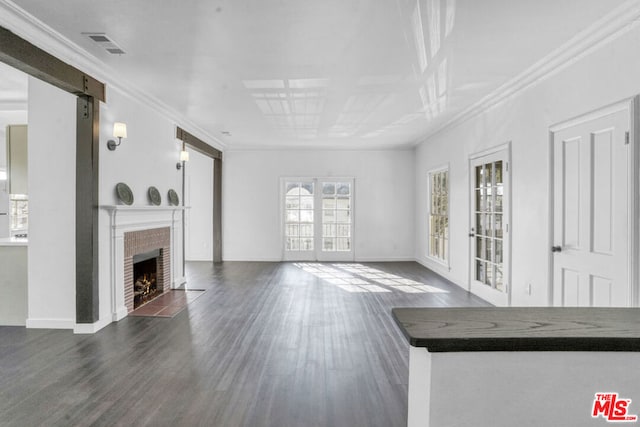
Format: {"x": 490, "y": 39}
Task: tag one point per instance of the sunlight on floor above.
{"x": 360, "y": 278}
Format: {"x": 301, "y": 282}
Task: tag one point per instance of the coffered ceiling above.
{"x": 351, "y": 74}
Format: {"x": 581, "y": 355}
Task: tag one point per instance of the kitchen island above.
{"x": 521, "y": 366}
{"x": 13, "y": 281}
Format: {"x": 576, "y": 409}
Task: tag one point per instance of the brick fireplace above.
{"x": 144, "y": 241}
{"x": 140, "y": 230}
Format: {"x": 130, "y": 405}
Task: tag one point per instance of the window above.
{"x": 439, "y": 215}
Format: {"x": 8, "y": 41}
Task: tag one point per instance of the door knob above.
{"x": 556, "y": 249}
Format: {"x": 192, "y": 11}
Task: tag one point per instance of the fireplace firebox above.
{"x": 145, "y": 277}
{"x": 141, "y": 246}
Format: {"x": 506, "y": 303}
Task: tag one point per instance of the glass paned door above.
{"x": 318, "y": 219}
{"x": 337, "y": 224}
{"x": 489, "y": 227}
{"x": 299, "y": 218}
{"x": 336, "y": 216}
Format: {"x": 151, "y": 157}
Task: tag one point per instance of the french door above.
{"x": 489, "y": 231}
{"x": 317, "y": 219}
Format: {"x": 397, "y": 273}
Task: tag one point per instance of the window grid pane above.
{"x": 489, "y": 189}
{"x": 299, "y": 206}
{"x": 439, "y": 215}
{"x": 336, "y": 217}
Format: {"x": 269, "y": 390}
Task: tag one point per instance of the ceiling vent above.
{"x": 105, "y": 42}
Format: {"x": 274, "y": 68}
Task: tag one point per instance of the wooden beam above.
{"x": 204, "y": 148}
{"x": 217, "y": 210}
{"x": 87, "y": 187}
{"x": 24, "y": 56}
{"x": 197, "y": 144}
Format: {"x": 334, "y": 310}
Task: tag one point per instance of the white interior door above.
{"x": 591, "y": 222}
{"x": 318, "y": 219}
{"x": 490, "y": 243}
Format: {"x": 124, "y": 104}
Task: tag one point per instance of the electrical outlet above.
{"x": 528, "y": 289}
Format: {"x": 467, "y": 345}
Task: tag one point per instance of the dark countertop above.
{"x": 521, "y": 328}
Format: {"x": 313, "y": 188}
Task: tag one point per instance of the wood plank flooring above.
{"x": 267, "y": 344}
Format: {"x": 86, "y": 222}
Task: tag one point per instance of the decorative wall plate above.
{"x": 154, "y": 196}
{"x": 124, "y": 193}
{"x": 173, "y": 198}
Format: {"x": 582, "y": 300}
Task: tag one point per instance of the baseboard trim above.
{"x": 177, "y": 282}
{"x": 119, "y": 315}
{"x": 357, "y": 259}
{"x": 90, "y": 328}
{"x": 440, "y": 271}
{"x": 50, "y": 324}
{"x": 13, "y": 323}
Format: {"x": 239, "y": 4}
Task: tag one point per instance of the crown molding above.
{"x": 611, "y": 26}
{"x": 21, "y": 23}
{"x": 331, "y": 147}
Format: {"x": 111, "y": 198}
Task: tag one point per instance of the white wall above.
{"x": 147, "y": 157}
{"x": 384, "y": 206}
{"x": 52, "y": 185}
{"x": 199, "y": 198}
{"x": 605, "y": 76}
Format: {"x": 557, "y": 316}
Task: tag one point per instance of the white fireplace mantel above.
{"x": 123, "y": 219}
{"x": 131, "y": 218}
{"x": 143, "y": 208}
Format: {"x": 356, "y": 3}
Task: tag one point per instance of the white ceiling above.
{"x": 347, "y": 74}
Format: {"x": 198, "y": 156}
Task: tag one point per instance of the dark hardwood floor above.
{"x": 267, "y": 344}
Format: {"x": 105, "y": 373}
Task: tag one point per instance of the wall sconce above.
{"x": 119, "y": 131}
{"x": 184, "y": 157}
